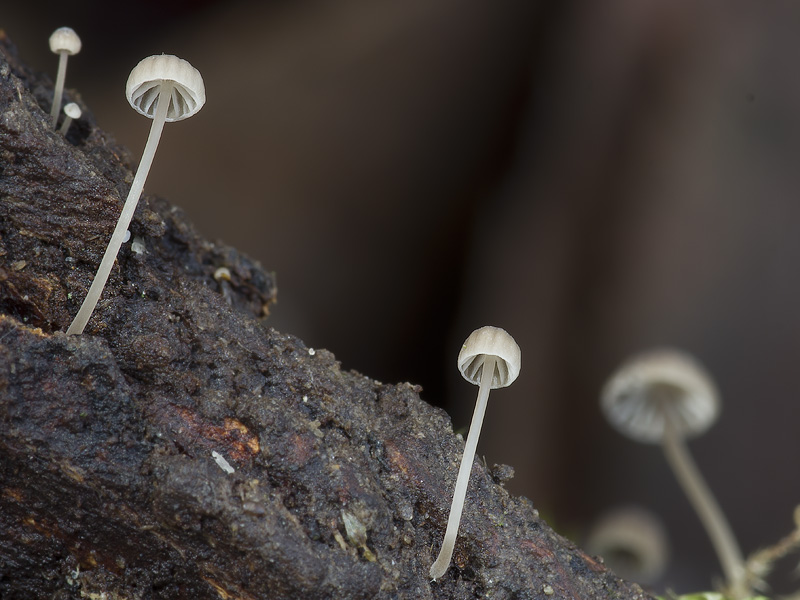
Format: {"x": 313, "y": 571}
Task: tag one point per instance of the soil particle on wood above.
{"x": 180, "y": 448}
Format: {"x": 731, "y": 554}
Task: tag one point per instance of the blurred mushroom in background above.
{"x": 632, "y": 542}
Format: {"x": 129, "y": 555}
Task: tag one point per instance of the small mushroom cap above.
{"x": 64, "y": 39}
{"x": 653, "y": 386}
{"x": 490, "y": 341}
{"x": 144, "y": 83}
{"x": 73, "y": 111}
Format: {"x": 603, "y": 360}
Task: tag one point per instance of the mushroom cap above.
{"x": 490, "y": 341}
{"x": 633, "y": 542}
{"x": 64, "y": 39}
{"x": 653, "y": 386}
{"x": 145, "y": 81}
{"x": 73, "y": 111}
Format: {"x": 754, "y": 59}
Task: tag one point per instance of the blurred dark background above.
{"x": 595, "y": 177}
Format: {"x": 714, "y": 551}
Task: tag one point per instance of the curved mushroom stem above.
{"x": 127, "y": 213}
{"x": 61, "y": 75}
{"x": 442, "y": 562}
{"x": 710, "y": 513}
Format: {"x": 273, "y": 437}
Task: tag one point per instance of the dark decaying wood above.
{"x": 111, "y": 481}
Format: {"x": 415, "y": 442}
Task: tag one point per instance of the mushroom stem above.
{"x": 125, "y": 217}
{"x": 71, "y": 111}
{"x": 442, "y": 562}
{"x": 707, "y": 508}
{"x": 61, "y": 76}
{"x": 65, "y": 125}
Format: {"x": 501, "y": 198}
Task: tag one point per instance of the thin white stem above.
{"x": 128, "y": 209}
{"x": 65, "y": 125}
{"x": 442, "y": 562}
{"x": 710, "y": 513}
{"x": 61, "y": 75}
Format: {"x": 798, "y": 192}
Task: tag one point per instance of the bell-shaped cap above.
{"x": 658, "y": 385}
{"x": 188, "y": 93}
{"x": 490, "y": 341}
{"x": 64, "y": 39}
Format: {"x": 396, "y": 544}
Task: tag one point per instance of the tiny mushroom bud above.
{"x": 71, "y": 111}
{"x": 490, "y": 358}
{"x": 163, "y": 88}
{"x": 64, "y": 42}
{"x": 665, "y": 397}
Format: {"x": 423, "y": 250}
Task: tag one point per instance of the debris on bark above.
{"x": 180, "y": 448}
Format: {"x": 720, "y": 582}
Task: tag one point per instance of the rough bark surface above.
{"x": 109, "y": 486}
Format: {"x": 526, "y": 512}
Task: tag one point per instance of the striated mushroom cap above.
{"x": 490, "y": 341}
{"x": 144, "y": 84}
{"x": 658, "y": 385}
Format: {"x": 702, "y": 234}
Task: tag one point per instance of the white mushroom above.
{"x": 665, "y": 397}
{"x": 64, "y": 42}
{"x": 632, "y": 542}
{"x": 71, "y": 112}
{"x": 490, "y": 358}
{"x": 163, "y": 88}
